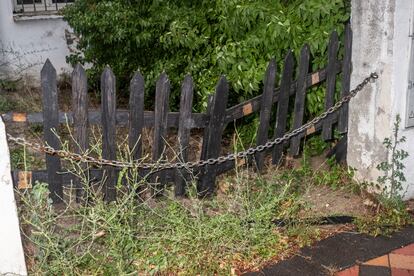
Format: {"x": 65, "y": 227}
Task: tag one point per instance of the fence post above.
{"x": 265, "y": 111}
{"x": 215, "y": 129}
{"x": 162, "y": 94}
{"x": 300, "y": 97}
{"x": 283, "y": 106}
{"x": 80, "y": 121}
{"x": 330, "y": 84}
{"x": 108, "y": 84}
{"x": 184, "y": 129}
{"x": 50, "y": 124}
{"x": 346, "y": 79}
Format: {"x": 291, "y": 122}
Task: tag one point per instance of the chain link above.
{"x": 190, "y": 165}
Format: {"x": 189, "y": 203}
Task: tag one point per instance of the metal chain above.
{"x": 190, "y": 165}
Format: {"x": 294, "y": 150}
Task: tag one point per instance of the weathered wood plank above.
{"x": 265, "y": 111}
{"x": 184, "y": 131}
{"x": 330, "y": 83}
{"x": 299, "y": 108}
{"x": 108, "y": 84}
{"x": 51, "y": 124}
{"x": 198, "y": 120}
{"x": 80, "y": 120}
{"x": 346, "y": 79}
{"x": 283, "y": 106}
{"x": 162, "y": 94}
{"x": 136, "y": 115}
{"x": 206, "y": 185}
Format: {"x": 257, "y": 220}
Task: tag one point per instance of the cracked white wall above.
{"x": 381, "y": 43}
{"x": 29, "y": 41}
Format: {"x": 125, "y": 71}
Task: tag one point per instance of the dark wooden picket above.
{"x": 282, "y": 107}
{"x": 184, "y": 129}
{"x": 80, "y": 120}
{"x": 212, "y": 122}
{"x": 299, "y": 108}
{"x": 136, "y": 115}
{"x": 215, "y": 130}
{"x": 50, "y": 126}
{"x": 162, "y": 94}
{"x": 346, "y": 79}
{"x": 265, "y": 111}
{"x": 203, "y": 153}
{"x": 109, "y": 131}
{"x": 327, "y": 130}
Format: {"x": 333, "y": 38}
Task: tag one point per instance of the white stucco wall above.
{"x": 11, "y": 251}
{"x": 381, "y": 43}
{"x": 34, "y": 39}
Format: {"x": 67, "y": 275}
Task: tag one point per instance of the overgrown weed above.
{"x": 227, "y": 234}
{"x": 391, "y": 210}
{"x": 230, "y": 232}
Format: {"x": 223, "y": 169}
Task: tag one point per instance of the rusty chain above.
{"x": 190, "y": 165}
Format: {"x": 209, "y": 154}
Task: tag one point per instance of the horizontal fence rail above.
{"x": 274, "y": 100}
{"x": 198, "y": 120}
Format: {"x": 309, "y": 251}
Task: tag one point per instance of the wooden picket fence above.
{"x": 213, "y": 121}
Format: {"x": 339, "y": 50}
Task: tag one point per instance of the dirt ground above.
{"x": 324, "y": 201}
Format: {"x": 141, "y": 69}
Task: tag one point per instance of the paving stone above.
{"x": 407, "y": 250}
{"x": 352, "y": 271}
{"x": 402, "y": 261}
{"x": 401, "y": 272}
{"x": 380, "y": 261}
{"x": 374, "y": 271}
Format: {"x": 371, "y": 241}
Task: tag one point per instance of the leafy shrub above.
{"x": 203, "y": 38}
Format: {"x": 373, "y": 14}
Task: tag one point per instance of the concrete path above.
{"x": 11, "y": 251}
{"x": 351, "y": 254}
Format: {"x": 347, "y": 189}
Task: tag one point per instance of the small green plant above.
{"x": 9, "y": 85}
{"x": 391, "y": 209}
{"x": 21, "y": 159}
{"x": 6, "y": 105}
{"x": 393, "y": 177}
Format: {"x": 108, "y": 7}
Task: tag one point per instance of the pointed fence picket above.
{"x": 265, "y": 111}
{"x": 327, "y": 130}
{"x": 108, "y": 131}
{"x": 50, "y": 126}
{"x": 80, "y": 121}
{"x": 274, "y": 101}
{"x": 282, "y": 107}
{"x": 184, "y": 131}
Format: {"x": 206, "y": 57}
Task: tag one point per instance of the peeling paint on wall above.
{"x": 381, "y": 44}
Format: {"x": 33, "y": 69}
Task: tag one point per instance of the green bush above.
{"x": 203, "y": 38}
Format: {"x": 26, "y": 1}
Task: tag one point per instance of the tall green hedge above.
{"x": 205, "y": 38}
